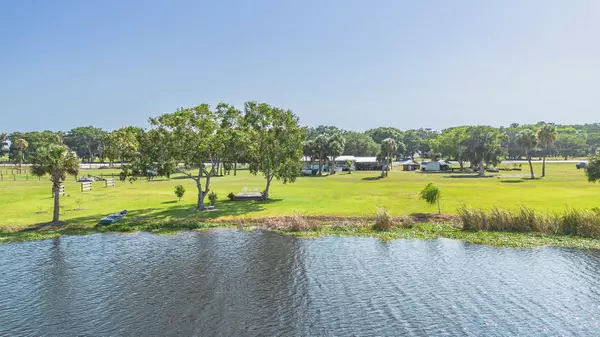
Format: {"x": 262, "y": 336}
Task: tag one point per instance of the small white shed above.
{"x": 436, "y": 165}
{"x": 431, "y": 166}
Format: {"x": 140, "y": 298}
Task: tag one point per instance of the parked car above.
{"x": 581, "y": 165}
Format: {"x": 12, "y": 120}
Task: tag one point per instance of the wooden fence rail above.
{"x": 86, "y": 186}
{"x": 110, "y": 182}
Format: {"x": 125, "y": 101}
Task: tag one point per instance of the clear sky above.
{"x": 355, "y": 64}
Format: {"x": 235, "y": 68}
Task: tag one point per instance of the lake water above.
{"x": 229, "y": 283}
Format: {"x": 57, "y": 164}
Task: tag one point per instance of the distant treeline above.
{"x": 95, "y": 144}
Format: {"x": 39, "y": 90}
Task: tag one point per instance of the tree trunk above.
{"x": 200, "y": 205}
{"x": 481, "y": 170}
{"x": 544, "y": 165}
{"x": 530, "y": 165}
{"x": 202, "y": 193}
{"x": 332, "y": 166}
{"x": 55, "y": 190}
{"x": 439, "y": 208}
{"x": 266, "y": 191}
{"x": 461, "y": 163}
{"x": 235, "y": 169}
{"x": 320, "y": 166}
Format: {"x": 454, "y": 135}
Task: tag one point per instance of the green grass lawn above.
{"x": 28, "y": 202}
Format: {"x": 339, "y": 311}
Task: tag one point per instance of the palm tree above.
{"x": 527, "y": 140}
{"x": 3, "y": 143}
{"x": 58, "y": 161}
{"x": 20, "y": 145}
{"x": 388, "y": 147}
{"x": 335, "y": 148}
{"x": 546, "y": 136}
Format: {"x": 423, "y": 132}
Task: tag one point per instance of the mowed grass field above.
{"x": 25, "y": 203}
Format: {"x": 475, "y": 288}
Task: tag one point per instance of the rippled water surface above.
{"x": 229, "y": 283}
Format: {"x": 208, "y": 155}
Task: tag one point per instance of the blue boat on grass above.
{"x": 109, "y": 219}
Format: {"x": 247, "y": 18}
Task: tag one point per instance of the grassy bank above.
{"x": 26, "y": 204}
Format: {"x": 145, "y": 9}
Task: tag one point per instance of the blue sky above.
{"x": 354, "y": 64}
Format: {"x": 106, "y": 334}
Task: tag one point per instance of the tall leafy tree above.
{"x": 233, "y": 135}
{"x": 450, "y": 143}
{"x": 571, "y": 145}
{"x": 86, "y": 141}
{"x": 275, "y": 143}
{"x": 381, "y": 133}
{"x": 483, "y": 146}
{"x": 186, "y": 136}
{"x": 360, "y": 145}
{"x": 57, "y": 161}
{"x": 388, "y": 148}
{"x": 35, "y": 140}
{"x": 546, "y": 136}
{"x": 412, "y": 141}
{"x": 527, "y": 140}
{"x": 123, "y": 144}
{"x": 593, "y": 142}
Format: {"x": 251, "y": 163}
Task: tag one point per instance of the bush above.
{"x": 231, "y": 196}
{"x": 432, "y": 195}
{"x": 383, "y": 221}
{"x": 213, "y": 197}
{"x": 179, "y": 191}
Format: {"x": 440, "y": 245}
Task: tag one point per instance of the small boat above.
{"x": 107, "y": 220}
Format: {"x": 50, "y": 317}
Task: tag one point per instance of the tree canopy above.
{"x": 275, "y": 143}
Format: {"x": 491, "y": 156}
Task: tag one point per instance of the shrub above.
{"x": 383, "y": 222}
{"x": 179, "y": 191}
{"x": 432, "y": 195}
{"x": 231, "y": 196}
{"x": 213, "y": 197}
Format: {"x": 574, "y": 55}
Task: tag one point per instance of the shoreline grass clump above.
{"x": 299, "y": 223}
{"x": 571, "y": 222}
{"x": 383, "y": 221}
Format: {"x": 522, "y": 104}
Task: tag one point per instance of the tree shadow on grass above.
{"x": 372, "y": 178}
{"x": 176, "y": 217}
{"x": 469, "y": 176}
{"x": 510, "y": 181}
{"x": 169, "y": 202}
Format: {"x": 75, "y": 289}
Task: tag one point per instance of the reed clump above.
{"x": 299, "y": 223}
{"x": 585, "y": 223}
{"x": 383, "y": 221}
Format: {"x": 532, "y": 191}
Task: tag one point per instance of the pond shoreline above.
{"x": 416, "y": 226}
